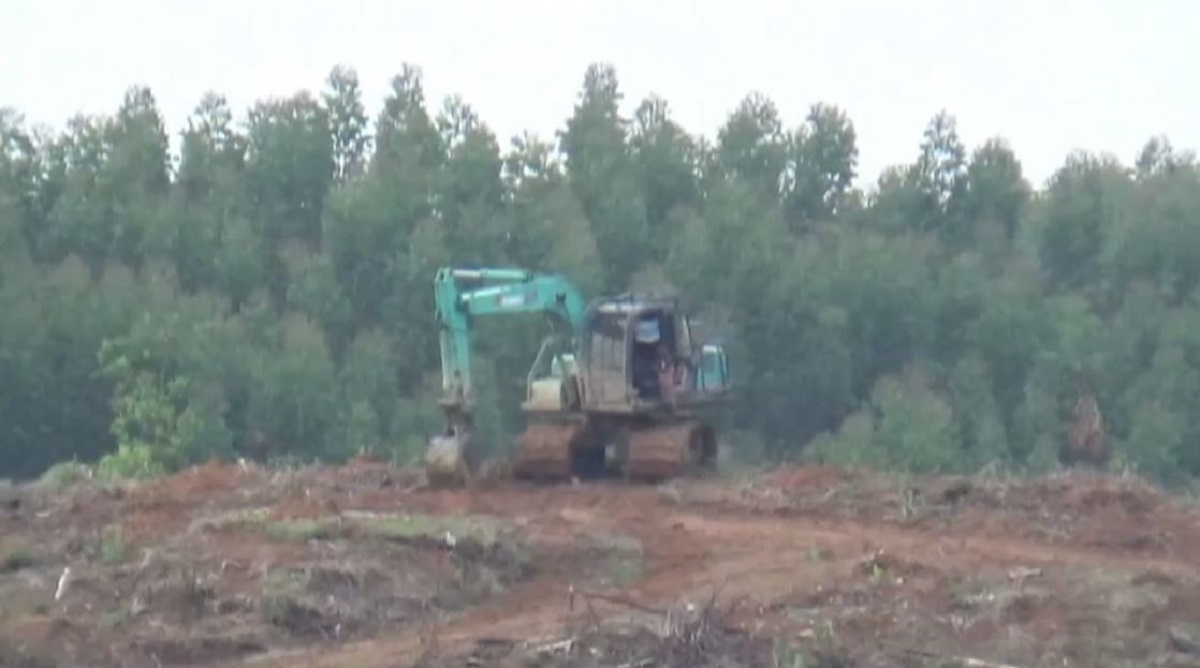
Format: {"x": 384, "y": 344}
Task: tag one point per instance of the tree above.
{"x": 347, "y": 122}
{"x": 271, "y": 296}
{"x": 823, "y": 159}
{"x": 602, "y": 175}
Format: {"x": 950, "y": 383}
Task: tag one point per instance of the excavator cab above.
{"x": 634, "y": 355}
{"x": 640, "y": 354}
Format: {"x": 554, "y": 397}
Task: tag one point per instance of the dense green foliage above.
{"x": 270, "y": 294}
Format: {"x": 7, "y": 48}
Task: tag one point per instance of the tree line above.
{"x": 270, "y": 295}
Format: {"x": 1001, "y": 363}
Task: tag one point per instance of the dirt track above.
{"x": 1082, "y": 570}
{"x": 691, "y": 549}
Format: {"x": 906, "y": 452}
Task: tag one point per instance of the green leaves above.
{"x": 908, "y": 428}
{"x": 603, "y": 177}
{"x": 347, "y": 122}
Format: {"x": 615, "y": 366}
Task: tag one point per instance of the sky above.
{"x": 1050, "y": 76}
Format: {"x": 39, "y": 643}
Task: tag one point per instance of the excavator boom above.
{"x": 461, "y": 295}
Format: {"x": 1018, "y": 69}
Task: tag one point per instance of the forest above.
{"x": 267, "y": 293}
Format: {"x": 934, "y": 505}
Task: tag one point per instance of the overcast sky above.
{"x": 1050, "y": 76}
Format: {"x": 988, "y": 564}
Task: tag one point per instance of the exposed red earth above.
{"x": 360, "y": 566}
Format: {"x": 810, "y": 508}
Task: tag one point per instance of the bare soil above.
{"x": 360, "y": 565}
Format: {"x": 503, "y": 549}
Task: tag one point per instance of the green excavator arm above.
{"x": 460, "y": 296}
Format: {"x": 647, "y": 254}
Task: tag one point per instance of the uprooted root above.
{"x": 703, "y": 637}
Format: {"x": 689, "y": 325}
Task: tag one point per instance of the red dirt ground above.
{"x": 1066, "y": 570}
{"x": 770, "y": 558}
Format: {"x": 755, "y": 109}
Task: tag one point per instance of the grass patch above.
{"x": 14, "y": 654}
{"x": 487, "y": 553}
{"x": 409, "y": 527}
{"x": 289, "y": 530}
{"x": 111, "y": 619}
{"x": 14, "y": 555}
{"x": 113, "y": 548}
{"x": 64, "y": 474}
{"x": 399, "y": 528}
{"x": 304, "y": 530}
{"x": 791, "y": 655}
{"x": 281, "y": 591}
{"x": 623, "y": 562}
{"x": 625, "y": 571}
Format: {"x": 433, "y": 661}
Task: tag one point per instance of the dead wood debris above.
{"x": 963, "y": 661}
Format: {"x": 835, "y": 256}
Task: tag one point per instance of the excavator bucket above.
{"x": 450, "y": 460}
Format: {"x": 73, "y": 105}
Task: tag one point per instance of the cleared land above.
{"x": 359, "y": 566}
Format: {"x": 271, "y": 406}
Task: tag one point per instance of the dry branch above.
{"x": 965, "y": 661}
{"x": 615, "y": 600}
{"x": 686, "y": 638}
{"x": 1184, "y": 640}
{"x": 554, "y": 647}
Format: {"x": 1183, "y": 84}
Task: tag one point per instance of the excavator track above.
{"x": 545, "y": 451}
{"x": 668, "y": 451}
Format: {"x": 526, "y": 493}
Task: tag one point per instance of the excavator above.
{"x": 619, "y": 386}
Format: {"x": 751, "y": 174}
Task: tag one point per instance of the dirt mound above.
{"x": 1089, "y": 509}
{"x": 367, "y": 471}
{"x": 209, "y": 479}
{"x": 1087, "y": 493}
{"x": 161, "y": 507}
{"x": 1074, "y": 491}
{"x": 300, "y": 505}
{"x": 791, "y": 479}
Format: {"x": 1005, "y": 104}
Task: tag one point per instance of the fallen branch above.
{"x": 554, "y": 647}
{"x": 615, "y": 600}
{"x": 591, "y": 611}
{"x": 1021, "y": 573}
{"x": 1184, "y": 640}
{"x": 712, "y": 604}
{"x": 966, "y": 661}
{"x": 980, "y": 663}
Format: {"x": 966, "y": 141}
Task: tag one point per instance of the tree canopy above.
{"x": 269, "y": 295}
